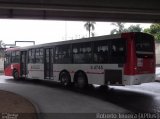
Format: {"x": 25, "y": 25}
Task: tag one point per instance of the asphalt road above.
{"x": 52, "y": 99}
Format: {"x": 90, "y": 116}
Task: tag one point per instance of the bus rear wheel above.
{"x": 65, "y": 79}
{"x": 80, "y": 80}
{"x": 15, "y": 75}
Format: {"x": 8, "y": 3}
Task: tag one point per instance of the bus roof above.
{"x": 105, "y": 37}
{"x": 13, "y": 49}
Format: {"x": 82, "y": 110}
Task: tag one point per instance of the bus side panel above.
{"x": 138, "y": 68}
{"x": 138, "y": 79}
{"x": 95, "y": 72}
{"x": 94, "y": 76}
{"x": 130, "y": 54}
{"x": 35, "y": 71}
{"x": 9, "y": 69}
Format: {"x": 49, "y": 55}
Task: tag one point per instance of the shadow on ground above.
{"x": 134, "y": 101}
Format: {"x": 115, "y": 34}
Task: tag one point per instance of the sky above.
{"x": 45, "y": 31}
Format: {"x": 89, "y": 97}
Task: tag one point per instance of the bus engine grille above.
{"x": 113, "y": 77}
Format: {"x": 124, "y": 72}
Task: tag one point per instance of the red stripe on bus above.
{"x": 35, "y": 70}
{"x": 86, "y": 72}
{"x": 95, "y": 72}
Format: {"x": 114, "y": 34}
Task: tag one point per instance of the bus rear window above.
{"x": 144, "y": 45}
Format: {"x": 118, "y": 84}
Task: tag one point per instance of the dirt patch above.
{"x": 16, "y": 107}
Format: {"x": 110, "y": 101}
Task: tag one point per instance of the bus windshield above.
{"x": 144, "y": 45}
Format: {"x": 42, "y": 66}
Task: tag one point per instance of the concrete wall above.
{"x": 1, "y": 59}
{"x": 1, "y": 64}
{"x": 158, "y": 53}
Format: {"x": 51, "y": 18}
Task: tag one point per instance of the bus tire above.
{"x": 80, "y": 81}
{"x": 15, "y": 75}
{"x": 65, "y": 78}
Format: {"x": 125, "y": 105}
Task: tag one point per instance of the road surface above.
{"x": 53, "y": 99}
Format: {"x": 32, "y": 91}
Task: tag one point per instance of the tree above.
{"x": 1, "y": 49}
{"x": 89, "y": 26}
{"x": 154, "y": 30}
{"x": 119, "y": 28}
{"x": 134, "y": 28}
{"x": 1, "y": 44}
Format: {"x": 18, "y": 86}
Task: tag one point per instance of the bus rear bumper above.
{"x": 138, "y": 79}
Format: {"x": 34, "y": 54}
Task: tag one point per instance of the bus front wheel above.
{"x": 65, "y": 79}
{"x": 15, "y": 75}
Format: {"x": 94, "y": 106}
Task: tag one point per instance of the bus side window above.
{"x": 29, "y": 56}
{"x": 63, "y": 54}
{"x": 15, "y": 56}
{"x": 39, "y": 55}
{"x": 118, "y": 50}
{"x": 101, "y": 50}
{"x": 32, "y": 56}
{"x": 7, "y": 58}
{"x": 82, "y": 53}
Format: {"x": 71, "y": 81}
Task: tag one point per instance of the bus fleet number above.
{"x": 97, "y": 67}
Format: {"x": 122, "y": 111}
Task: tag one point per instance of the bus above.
{"x": 119, "y": 59}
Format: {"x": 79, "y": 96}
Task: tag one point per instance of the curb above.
{"x": 38, "y": 112}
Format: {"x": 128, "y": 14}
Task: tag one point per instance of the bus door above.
{"x": 23, "y": 64}
{"x": 48, "y": 63}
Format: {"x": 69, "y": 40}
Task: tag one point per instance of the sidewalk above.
{"x": 13, "y": 106}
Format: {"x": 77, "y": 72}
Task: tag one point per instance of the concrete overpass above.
{"x": 98, "y": 10}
